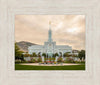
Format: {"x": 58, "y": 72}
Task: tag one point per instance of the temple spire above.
{"x": 50, "y": 33}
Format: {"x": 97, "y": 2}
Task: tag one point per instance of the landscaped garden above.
{"x": 25, "y": 61}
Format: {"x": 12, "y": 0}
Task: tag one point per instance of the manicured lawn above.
{"x": 70, "y": 67}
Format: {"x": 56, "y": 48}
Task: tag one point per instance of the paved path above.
{"x": 37, "y": 64}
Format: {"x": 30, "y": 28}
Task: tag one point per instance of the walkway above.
{"x": 37, "y": 64}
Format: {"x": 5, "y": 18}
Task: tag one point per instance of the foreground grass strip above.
{"x": 28, "y": 67}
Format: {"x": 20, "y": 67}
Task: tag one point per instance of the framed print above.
{"x": 49, "y": 42}
{"x": 36, "y": 48}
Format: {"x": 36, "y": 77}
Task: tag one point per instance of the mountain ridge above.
{"x": 23, "y": 45}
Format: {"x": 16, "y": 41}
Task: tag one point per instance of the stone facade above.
{"x": 49, "y": 47}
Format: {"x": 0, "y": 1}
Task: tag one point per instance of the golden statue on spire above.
{"x": 49, "y": 22}
{"x": 50, "y": 25}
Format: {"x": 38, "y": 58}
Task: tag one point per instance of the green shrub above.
{"x": 53, "y": 58}
{"x": 69, "y": 60}
{"x": 34, "y": 60}
{"x": 59, "y": 59}
{"x": 30, "y": 61}
{"x": 81, "y": 62}
{"x": 55, "y": 62}
{"x": 77, "y": 62}
{"x": 18, "y": 61}
{"x": 24, "y": 61}
{"x": 39, "y": 60}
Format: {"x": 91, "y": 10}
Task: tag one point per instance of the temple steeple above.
{"x": 49, "y": 33}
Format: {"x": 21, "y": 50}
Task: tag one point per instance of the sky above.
{"x": 66, "y": 29}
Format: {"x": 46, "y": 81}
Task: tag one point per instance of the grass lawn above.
{"x": 70, "y": 67}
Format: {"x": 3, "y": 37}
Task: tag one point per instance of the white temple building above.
{"x": 49, "y": 46}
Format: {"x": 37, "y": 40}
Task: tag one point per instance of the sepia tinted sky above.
{"x": 66, "y": 29}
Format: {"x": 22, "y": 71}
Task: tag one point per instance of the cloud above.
{"x": 66, "y": 29}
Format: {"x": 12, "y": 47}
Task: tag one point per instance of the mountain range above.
{"x": 23, "y": 45}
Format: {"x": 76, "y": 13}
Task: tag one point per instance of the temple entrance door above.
{"x": 49, "y": 54}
